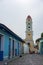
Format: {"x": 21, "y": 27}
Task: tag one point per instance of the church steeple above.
{"x": 29, "y": 32}
{"x": 29, "y": 35}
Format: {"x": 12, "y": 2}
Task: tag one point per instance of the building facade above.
{"x": 11, "y": 45}
{"x": 29, "y": 35}
{"x": 39, "y": 43}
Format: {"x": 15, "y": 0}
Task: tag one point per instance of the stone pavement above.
{"x": 1, "y": 63}
{"x": 29, "y": 59}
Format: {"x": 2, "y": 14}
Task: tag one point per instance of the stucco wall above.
{"x": 6, "y": 42}
{"x": 17, "y": 44}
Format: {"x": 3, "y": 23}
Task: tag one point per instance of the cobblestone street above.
{"x": 29, "y": 59}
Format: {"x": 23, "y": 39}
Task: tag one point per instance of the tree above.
{"x": 42, "y": 34}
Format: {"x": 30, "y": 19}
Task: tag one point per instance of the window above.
{"x": 28, "y": 23}
{"x": 13, "y": 48}
{"x": 29, "y": 34}
{"x": 29, "y": 27}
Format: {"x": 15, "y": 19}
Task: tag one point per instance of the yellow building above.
{"x": 29, "y": 34}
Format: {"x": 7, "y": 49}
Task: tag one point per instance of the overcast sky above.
{"x": 13, "y": 14}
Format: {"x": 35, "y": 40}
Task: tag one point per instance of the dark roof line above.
{"x": 39, "y": 39}
{"x": 11, "y": 32}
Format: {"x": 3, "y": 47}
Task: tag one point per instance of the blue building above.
{"x": 11, "y": 45}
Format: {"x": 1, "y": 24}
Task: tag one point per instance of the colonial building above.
{"x": 29, "y": 44}
{"x": 11, "y": 44}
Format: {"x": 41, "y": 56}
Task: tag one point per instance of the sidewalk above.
{"x": 10, "y": 60}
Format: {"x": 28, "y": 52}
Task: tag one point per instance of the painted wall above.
{"x": 20, "y": 48}
{"x": 17, "y": 45}
{"x": 26, "y": 48}
{"x": 41, "y": 46}
{"x": 6, "y": 43}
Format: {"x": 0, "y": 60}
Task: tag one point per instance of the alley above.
{"x": 29, "y": 59}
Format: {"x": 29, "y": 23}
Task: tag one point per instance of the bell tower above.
{"x": 29, "y": 33}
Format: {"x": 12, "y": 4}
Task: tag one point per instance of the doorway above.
{"x": 9, "y": 54}
{"x": 1, "y": 42}
{"x": 1, "y": 47}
